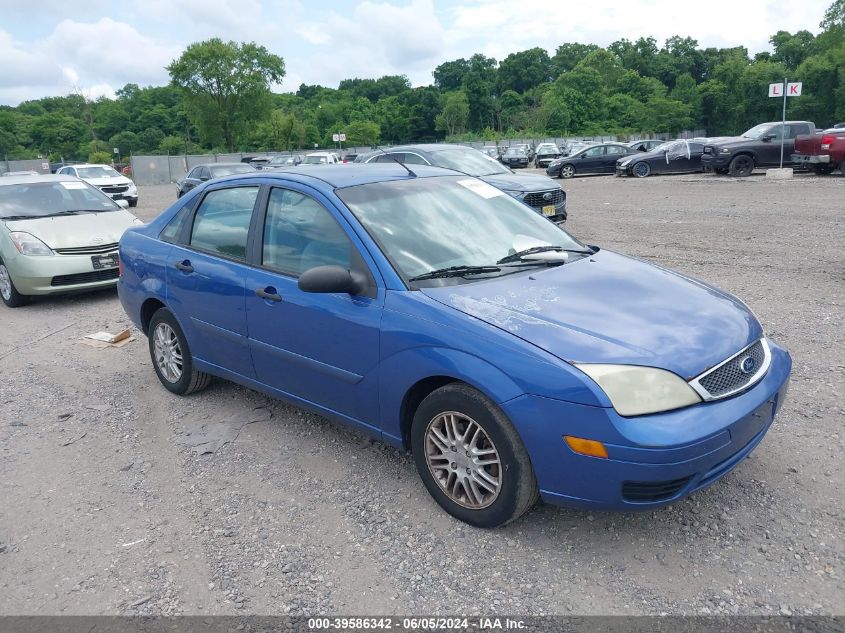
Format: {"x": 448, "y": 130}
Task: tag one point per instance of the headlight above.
{"x": 635, "y": 390}
{"x": 132, "y": 186}
{"x": 625, "y": 162}
{"x": 138, "y": 222}
{"x": 724, "y": 150}
{"x": 29, "y": 244}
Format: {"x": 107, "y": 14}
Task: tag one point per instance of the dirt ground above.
{"x": 109, "y": 507}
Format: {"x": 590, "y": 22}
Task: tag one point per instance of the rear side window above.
{"x": 171, "y": 232}
{"x": 222, "y": 221}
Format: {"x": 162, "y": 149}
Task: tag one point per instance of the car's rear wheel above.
{"x": 822, "y": 169}
{"x": 567, "y": 171}
{"x": 171, "y": 356}
{"x": 471, "y": 459}
{"x": 741, "y": 166}
{"x": 10, "y": 295}
{"x": 642, "y": 170}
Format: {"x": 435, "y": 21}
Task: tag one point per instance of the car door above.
{"x": 206, "y": 273}
{"x": 321, "y": 348}
{"x": 768, "y": 152}
{"x": 612, "y": 153}
{"x": 590, "y": 161}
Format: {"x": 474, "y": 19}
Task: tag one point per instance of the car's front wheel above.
{"x": 741, "y": 166}
{"x": 642, "y": 170}
{"x": 171, "y": 356}
{"x": 567, "y": 171}
{"x": 133, "y": 203}
{"x": 10, "y": 295}
{"x": 471, "y": 459}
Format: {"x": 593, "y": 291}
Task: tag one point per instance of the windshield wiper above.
{"x": 74, "y": 212}
{"x": 515, "y": 257}
{"x": 456, "y": 271}
{"x": 19, "y": 217}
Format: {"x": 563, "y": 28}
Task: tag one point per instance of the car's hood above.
{"x": 71, "y": 231}
{"x": 521, "y": 182}
{"x": 729, "y": 141}
{"x": 106, "y": 182}
{"x": 609, "y": 308}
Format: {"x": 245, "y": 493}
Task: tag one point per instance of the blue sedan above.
{"x": 434, "y": 312}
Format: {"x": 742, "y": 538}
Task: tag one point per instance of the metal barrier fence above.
{"x": 36, "y": 164}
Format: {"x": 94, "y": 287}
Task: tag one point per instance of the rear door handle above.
{"x": 185, "y": 266}
{"x": 269, "y": 293}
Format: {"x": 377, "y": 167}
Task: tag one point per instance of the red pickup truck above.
{"x": 822, "y": 152}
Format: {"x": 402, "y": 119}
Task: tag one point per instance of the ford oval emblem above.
{"x": 747, "y": 365}
{"x": 548, "y": 196}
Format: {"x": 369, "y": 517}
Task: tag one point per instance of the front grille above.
{"x": 730, "y": 377}
{"x": 535, "y": 199}
{"x": 114, "y": 189}
{"x": 87, "y": 250}
{"x": 649, "y": 491}
{"x": 106, "y": 274}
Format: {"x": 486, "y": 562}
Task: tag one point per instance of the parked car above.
{"x": 25, "y": 172}
{"x": 492, "y": 151}
{"x": 573, "y": 147}
{"x": 538, "y": 192}
{"x": 597, "y": 159}
{"x": 529, "y": 150}
{"x": 258, "y": 162}
{"x": 545, "y": 154}
{"x": 349, "y": 158}
{"x": 321, "y": 158}
{"x": 207, "y": 171}
{"x": 515, "y": 157}
{"x": 58, "y": 234}
{"x": 823, "y": 152}
{"x": 279, "y": 162}
{"x": 116, "y": 186}
{"x": 672, "y": 157}
{"x": 758, "y": 147}
{"x": 514, "y": 362}
{"x": 645, "y": 145}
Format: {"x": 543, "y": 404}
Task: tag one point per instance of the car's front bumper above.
{"x": 553, "y": 170}
{"x": 712, "y": 162}
{"x": 623, "y": 171}
{"x": 546, "y": 161}
{"x": 58, "y": 274}
{"x": 652, "y": 460}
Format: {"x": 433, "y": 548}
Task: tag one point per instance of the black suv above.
{"x": 758, "y": 147}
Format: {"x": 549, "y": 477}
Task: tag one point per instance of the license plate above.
{"x": 549, "y": 209}
{"x": 104, "y": 261}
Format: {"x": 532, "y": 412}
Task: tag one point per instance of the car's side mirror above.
{"x": 768, "y": 137}
{"x": 328, "y": 279}
{"x": 203, "y": 178}
{"x": 123, "y": 204}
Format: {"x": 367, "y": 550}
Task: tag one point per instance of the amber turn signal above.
{"x": 592, "y": 448}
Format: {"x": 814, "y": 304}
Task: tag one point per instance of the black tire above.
{"x": 741, "y": 166}
{"x": 822, "y": 169}
{"x": 133, "y": 203}
{"x": 14, "y": 298}
{"x": 567, "y": 171}
{"x": 641, "y": 170}
{"x": 190, "y": 380}
{"x": 518, "y": 489}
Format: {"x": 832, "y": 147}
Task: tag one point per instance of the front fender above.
{"x": 403, "y": 370}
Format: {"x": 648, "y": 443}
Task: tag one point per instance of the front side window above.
{"x": 221, "y": 225}
{"x": 300, "y": 233}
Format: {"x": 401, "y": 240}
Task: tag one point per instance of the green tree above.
{"x": 568, "y": 55}
{"x": 453, "y": 117}
{"x": 524, "y": 70}
{"x": 363, "y": 133}
{"x": 450, "y": 75}
{"x": 227, "y": 85}
{"x": 100, "y": 158}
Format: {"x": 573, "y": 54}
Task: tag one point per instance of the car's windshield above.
{"x": 315, "y": 160}
{"x": 218, "y": 171}
{"x": 757, "y": 131}
{"x": 42, "y": 199}
{"x": 515, "y": 151}
{"x": 469, "y": 161}
{"x": 425, "y": 224}
{"x": 97, "y": 171}
{"x": 547, "y": 147}
{"x": 279, "y": 160}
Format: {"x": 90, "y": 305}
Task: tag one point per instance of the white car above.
{"x": 106, "y": 179}
{"x": 321, "y": 158}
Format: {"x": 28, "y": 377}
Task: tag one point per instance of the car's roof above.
{"x": 339, "y": 176}
{"x": 19, "y": 180}
{"x": 90, "y": 165}
{"x": 221, "y": 165}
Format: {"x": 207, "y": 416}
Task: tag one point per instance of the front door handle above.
{"x": 185, "y": 266}
{"x": 269, "y": 293}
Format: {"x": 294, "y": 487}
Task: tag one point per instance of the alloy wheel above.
{"x": 168, "y": 352}
{"x": 463, "y": 460}
{"x": 641, "y": 170}
{"x": 567, "y": 171}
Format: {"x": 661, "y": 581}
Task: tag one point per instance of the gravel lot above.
{"x": 108, "y": 509}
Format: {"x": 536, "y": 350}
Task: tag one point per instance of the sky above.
{"x": 94, "y": 47}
